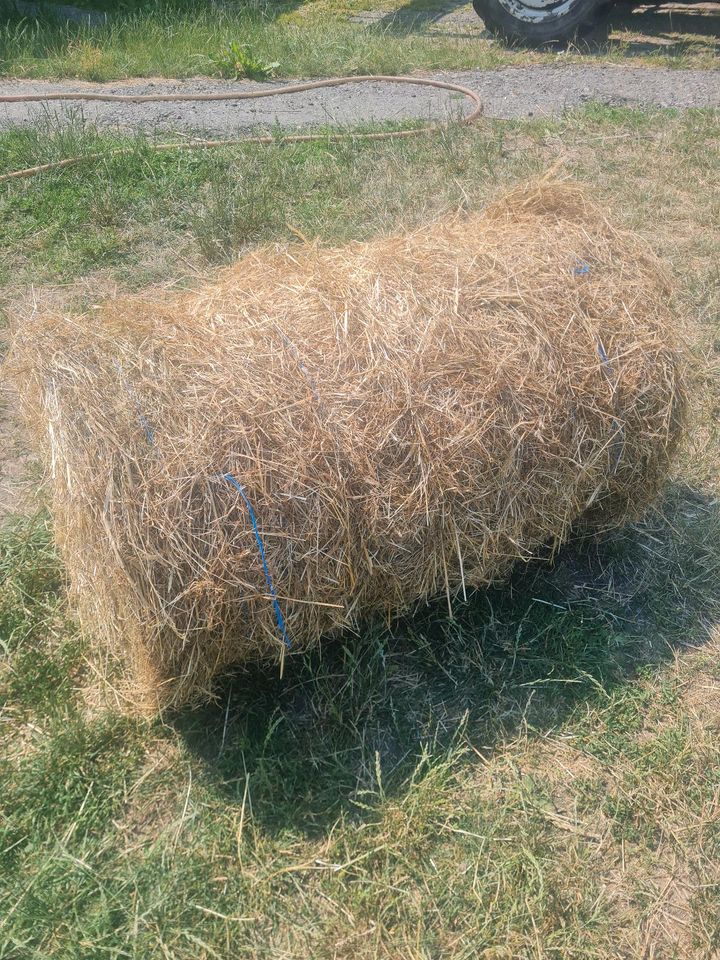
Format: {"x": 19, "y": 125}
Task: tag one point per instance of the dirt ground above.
{"x": 513, "y": 92}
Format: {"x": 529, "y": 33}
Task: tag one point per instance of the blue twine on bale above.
{"x": 619, "y": 441}
{"x": 150, "y": 437}
{"x": 603, "y": 355}
{"x": 258, "y": 539}
{"x": 144, "y": 422}
{"x": 582, "y": 269}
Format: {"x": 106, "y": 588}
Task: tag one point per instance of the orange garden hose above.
{"x": 242, "y": 95}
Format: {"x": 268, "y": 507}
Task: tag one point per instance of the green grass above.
{"x": 157, "y": 44}
{"x": 316, "y": 38}
{"x": 407, "y": 790}
{"x": 536, "y": 777}
{"x": 144, "y": 216}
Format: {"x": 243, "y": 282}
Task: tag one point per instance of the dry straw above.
{"x": 404, "y": 419}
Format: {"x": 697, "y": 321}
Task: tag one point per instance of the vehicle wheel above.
{"x": 538, "y": 21}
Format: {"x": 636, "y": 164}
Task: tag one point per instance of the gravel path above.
{"x": 539, "y": 90}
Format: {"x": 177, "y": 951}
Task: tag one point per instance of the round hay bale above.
{"x": 320, "y": 435}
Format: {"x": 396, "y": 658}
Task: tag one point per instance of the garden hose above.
{"x": 466, "y": 120}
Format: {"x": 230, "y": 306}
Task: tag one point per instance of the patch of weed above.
{"x": 238, "y": 61}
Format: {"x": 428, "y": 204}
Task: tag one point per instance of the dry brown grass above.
{"x": 407, "y": 417}
{"x": 647, "y": 889}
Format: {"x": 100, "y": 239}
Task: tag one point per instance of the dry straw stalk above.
{"x": 405, "y": 418}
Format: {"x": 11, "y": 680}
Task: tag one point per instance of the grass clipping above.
{"x": 392, "y": 421}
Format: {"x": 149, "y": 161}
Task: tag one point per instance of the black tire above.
{"x": 557, "y": 22}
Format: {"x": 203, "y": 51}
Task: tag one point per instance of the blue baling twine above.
{"x": 150, "y": 437}
{"x": 582, "y": 269}
{"x": 604, "y": 356}
{"x": 149, "y": 433}
{"x": 144, "y": 422}
{"x": 258, "y": 539}
{"x": 619, "y": 442}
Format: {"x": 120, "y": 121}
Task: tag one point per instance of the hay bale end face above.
{"x": 320, "y": 435}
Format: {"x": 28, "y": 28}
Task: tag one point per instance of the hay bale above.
{"x": 398, "y": 419}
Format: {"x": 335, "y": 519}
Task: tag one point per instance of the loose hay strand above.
{"x": 408, "y": 417}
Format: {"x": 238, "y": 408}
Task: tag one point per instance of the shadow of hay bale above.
{"x": 524, "y": 655}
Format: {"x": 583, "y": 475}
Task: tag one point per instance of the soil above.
{"x": 512, "y": 92}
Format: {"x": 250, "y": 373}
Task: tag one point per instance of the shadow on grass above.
{"x": 356, "y": 720}
{"x": 86, "y": 14}
{"x": 627, "y": 29}
{"x": 670, "y": 30}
